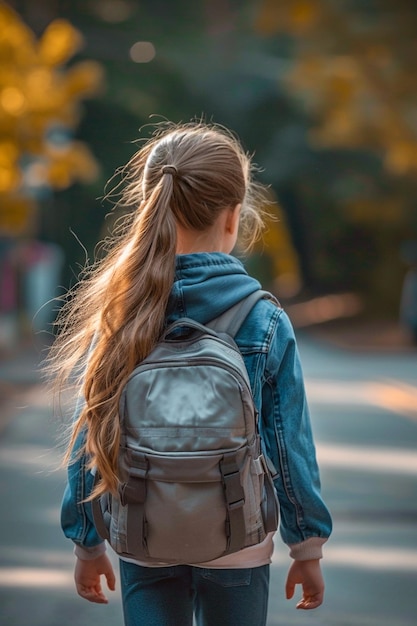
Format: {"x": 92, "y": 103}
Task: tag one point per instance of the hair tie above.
{"x": 170, "y": 169}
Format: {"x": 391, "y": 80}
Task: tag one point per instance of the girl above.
{"x": 190, "y": 190}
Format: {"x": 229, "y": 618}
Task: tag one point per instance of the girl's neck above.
{"x": 221, "y": 237}
{"x": 189, "y": 242}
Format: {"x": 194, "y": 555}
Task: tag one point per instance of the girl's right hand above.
{"x": 87, "y": 576}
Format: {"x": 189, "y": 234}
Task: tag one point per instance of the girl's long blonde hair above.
{"x": 115, "y": 315}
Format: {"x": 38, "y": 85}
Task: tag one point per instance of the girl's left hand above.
{"x": 87, "y": 577}
{"x": 308, "y": 575}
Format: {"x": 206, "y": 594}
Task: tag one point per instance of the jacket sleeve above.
{"x": 76, "y": 515}
{"x": 305, "y": 522}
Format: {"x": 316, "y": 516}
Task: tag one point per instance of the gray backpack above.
{"x": 194, "y": 483}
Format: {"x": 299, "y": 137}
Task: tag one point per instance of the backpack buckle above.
{"x": 134, "y": 490}
{"x": 233, "y": 490}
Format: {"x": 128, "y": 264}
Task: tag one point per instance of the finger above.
{"x": 92, "y": 595}
{"x": 310, "y": 603}
{"x": 111, "y": 580}
{"x": 289, "y": 590}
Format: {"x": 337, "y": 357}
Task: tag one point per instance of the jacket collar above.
{"x": 207, "y": 284}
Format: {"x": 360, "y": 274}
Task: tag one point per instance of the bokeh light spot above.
{"x": 12, "y": 100}
{"x": 142, "y": 52}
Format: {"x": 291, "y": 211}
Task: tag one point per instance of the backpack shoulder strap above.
{"x": 231, "y": 320}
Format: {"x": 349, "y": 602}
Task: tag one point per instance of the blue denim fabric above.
{"x": 206, "y": 284}
{"x": 76, "y": 515}
{"x": 168, "y": 596}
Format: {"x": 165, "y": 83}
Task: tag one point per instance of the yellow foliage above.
{"x": 307, "y": 74}
{"x": 302, "y": 15}
{"x": 339, "y": 129}
{"x": 43, "y": 90}
{"x": 17, "y": 42}
{"x": 341, "y": 88}
{"x": 294, "y": 16}
{"x": 16, "y": 214}
{"x": 374, "y": 210}
{"x": 75, "y": 163}
{"x": 402, "y": 157}
{"x": 358, "y": 82}
{"x": 84, "y": 79}
{"x": 36, "y": 92}
{"x": 326, "y": 82}
{"x": 277, "y": 244}
{"x": 59, "y": 43}
{"x": 351, "y": 112}
{"x": 12, "y": 101}
{"x": 9, "y": 153}
{"x": 10, "y": 178}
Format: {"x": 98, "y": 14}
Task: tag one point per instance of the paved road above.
{"x": 364, "y": 411}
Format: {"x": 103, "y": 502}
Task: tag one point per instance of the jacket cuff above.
{"x": 307, "y": 550}
{"x": 88, "y": 554}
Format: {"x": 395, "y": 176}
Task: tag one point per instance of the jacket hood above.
{"x": 207, "y": 284}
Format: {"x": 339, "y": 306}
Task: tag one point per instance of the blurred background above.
{"x": 322, "y": 92}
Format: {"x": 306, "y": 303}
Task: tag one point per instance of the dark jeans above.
{"x": 168, "y": 596}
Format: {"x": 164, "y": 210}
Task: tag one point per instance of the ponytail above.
{"x": 122, "y": 304}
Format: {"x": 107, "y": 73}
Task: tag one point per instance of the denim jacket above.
{"x": 207, "y": 284}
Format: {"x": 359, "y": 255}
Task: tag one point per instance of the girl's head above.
{"x": 187, "y": 189}
{"x": 192, "y": 173}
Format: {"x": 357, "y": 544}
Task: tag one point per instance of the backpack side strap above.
{"x": 231, "y": 320}
{"x": 101, "y": 514}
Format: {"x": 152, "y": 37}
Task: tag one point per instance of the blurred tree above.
{"x": 352, "y": 73}
{"x": 155, "y": 69}
{"x": 38, "y": 114}
{"x": 278, "y": 73}
{"x": 353, "y": 70}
